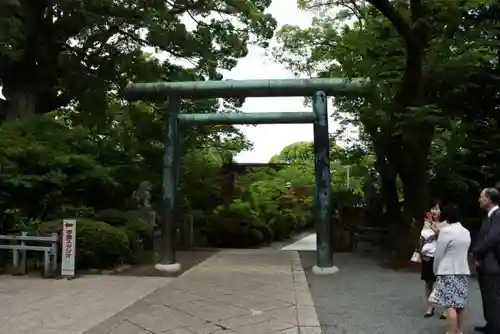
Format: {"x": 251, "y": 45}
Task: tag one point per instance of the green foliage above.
{"x": 139, "y": 231}
{"x": 98, "y": 46}
{"x": 429, "y": 111}
{"x": 140, "y": 237}
{"x": 421, "y": 60}
{"x": 267, "y": 210}
{"x": 139, "y": 223}
{"x": 237, "y": 225}
{"x": 300, "y": 152}
{"x": 98, "y": 245}
{"x": 208, "y": 179}
{"x": 58, "y": 168}
{"x": 46, "y": 167}
{"x": 114, "y": 217}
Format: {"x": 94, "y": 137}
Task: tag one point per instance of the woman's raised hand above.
{"x": 429, "y": 217}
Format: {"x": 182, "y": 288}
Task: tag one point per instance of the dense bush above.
{"x": 285, "y": 224}
{"x": 50, "y": 171}
{"x": 113, "y": 217}
{"x": 230, "y": 234}
{"x": 265, "y": 212}
{"x": 140, "y": 237}
{"x": 138, "y": 230}
{"x": 237, "y": 225}
{"x": 98, "y": 245}
{"x": 53, "y": 169}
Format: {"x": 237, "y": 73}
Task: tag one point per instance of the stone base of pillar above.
{"x": 169, "y": 268}
{"x": 324, "y": 270}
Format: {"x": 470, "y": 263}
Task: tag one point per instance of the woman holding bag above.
{"x": 428, "y": 239}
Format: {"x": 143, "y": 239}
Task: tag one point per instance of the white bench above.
{"x": 24, "y": 243}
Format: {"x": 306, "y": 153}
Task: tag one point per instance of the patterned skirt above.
{"x": 451, "y": 291}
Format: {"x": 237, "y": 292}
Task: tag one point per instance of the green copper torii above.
{"x": 318, "y": 89}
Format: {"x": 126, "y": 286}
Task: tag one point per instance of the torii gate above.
{"x": 173, "y": 92}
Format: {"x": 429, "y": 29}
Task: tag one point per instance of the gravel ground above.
{"x": 366, "y": 298}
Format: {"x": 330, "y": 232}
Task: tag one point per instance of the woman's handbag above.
{"x": 433, "y": 299}
{"x": 416, "y": 258}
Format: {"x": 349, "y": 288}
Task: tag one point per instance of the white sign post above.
{"x": 68, "y": 244}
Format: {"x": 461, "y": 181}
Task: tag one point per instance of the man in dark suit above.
{"x": 487, "y": 256}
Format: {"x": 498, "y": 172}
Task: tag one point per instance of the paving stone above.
{"x": 128, "y": 328}
{"x": 272, "y": 326}
{"x": 287, "y": 314}
{"x": 160, "y": 318}
{"x": 180, "y": 331}
{"x": 206, "y": 328}
{"x": 251, "y": 291}
{"x": 171, "y": 297}
{"x": 211, "y": 309}
{"x": 310, "y": 330}
{"x": 67, "y": 306}
{"x": 254, "y": 317}
{"x": 293, "y": 330}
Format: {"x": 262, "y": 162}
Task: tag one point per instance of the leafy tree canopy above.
{"x": 60, "y": 53}
{"x": 400, "y": 47}
{"x": 303, "y": 152}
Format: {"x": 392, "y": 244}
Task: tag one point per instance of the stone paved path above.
{"x": 32, "y": 305}
{"x": 234, "y": 291}
{"x": 306, "y": 243}
{"x": 364, "y": 298}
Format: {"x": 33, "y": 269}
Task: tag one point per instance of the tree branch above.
{"x": 398, "y": 21}
{"x": 143, "y": 42}
{"x": 417, "y": 10}
{"x": 356, "y": 11}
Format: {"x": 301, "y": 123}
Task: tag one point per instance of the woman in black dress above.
{"x": 428, "y": 239}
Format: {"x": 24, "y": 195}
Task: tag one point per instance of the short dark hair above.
{"x": 497, "y": 186}
{"x": 493, "y": 194}
{"x": 450, "y": 213}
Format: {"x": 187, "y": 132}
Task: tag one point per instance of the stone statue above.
{"x": 142, "y": 196}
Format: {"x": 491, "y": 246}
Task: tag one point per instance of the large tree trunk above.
{"x": 21, "y": 89}
{"x": 416, "y": 193}
{"x": 388, "y": 177}
{"x": 21, "y": 101}
{"x": 409, "y": 141}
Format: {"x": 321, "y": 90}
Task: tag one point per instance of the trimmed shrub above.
{"x": 140, "y": 237}
{"x": 236, "y": 225}
{"x": 282, "y": 227}
{"x": 113, "y": 217}
{"x": 138, "y": 230}
{"x": 229, "y": 234}
{"x": 98, "y": 244}
{"x": 265, "y": 230}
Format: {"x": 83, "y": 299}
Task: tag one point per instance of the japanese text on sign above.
{"x": 68, "y": 248}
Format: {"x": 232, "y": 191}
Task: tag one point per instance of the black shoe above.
{"x": 442, "y": 316}
{"x": 429, "y": 314}
{"x": 481, "y": 329}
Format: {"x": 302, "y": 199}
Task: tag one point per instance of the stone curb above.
{"x": 306, "y": 313}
